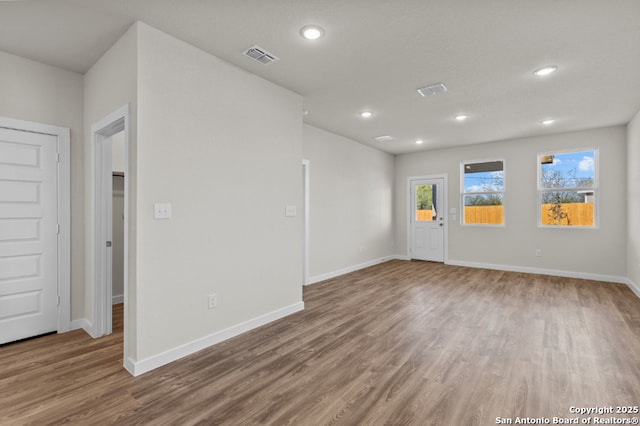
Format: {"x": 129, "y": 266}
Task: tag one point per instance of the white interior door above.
{"x": 104, "y": 236}
{"x": 28, "y": 234}
{"x": 427, "y": 219}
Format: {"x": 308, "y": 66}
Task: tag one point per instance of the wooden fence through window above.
{"x": 577, "y": 214}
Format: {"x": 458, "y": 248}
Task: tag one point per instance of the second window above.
{"x": 483, "y": 192}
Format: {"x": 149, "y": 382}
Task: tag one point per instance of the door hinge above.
{"x": 58, "y": 230}
{"x": 58, "y": 300}
{"x": 58, "y": 157}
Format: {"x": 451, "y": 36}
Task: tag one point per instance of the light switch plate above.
{"x": 290, "y": 211}
{"x": 161, "y": 211}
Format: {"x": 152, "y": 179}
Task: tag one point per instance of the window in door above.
{"x": 426, "y": 203}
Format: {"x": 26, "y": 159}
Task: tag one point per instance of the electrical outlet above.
{"x": 213, "y": 301}
{"x": 162, "y": 211}
{"x": 538, "y": 253}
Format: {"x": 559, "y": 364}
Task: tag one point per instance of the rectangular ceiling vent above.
{"x": 432, "y": 89}
{"x": 259, "y": 54}
{"x": 384, "y": 138}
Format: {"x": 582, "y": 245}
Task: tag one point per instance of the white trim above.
{"x": 153, "y": 362}
{"x": 64, "y": 239}
{"x": 306, "y": 164}
{"x": 83, "y": 324}
{"x": 63, "y": 135}
{"x": 117, "y": 299}
{"x": 130, "y": 366}
{"x": 329, "y": 275}
{"x": 101, "y": 131}
{"x": 400, "y": 257}
{"x": 541, "y": 271}
{"x": 445, "y": 199}
{"x": 634, "y": 288}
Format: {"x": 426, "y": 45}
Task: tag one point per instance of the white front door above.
{"x": 28, "y": 234}
{"x": 427, "y": 219}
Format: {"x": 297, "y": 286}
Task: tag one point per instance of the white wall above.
{"x": 110, "y": 84}
{"x": 633, "y": 197}
{"x": 117, "y": 152}
{"x": 41, "y": 93}
{"x": 224, "y": 148}
{"x": 351, "y": 197}
{"x": 599, "y": 252}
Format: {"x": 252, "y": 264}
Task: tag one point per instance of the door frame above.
{"x": 63, "y": 135}
{"x": 306, "y": 165}
{"x": 101, "y": 133}
{"x": 445, "y": 202}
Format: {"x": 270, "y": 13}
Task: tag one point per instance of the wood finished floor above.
{"x": 399, "y": 343}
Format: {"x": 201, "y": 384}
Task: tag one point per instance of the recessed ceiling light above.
{"x": 461, "y": 117}
{"x": 548, "y": 122}
{"x": 545, "y": 71}
{"x": 384, "y": 138}
{"x": 366, "y": 114}
{"x": 419, "y": 142}
{"x": 312, "y": 32}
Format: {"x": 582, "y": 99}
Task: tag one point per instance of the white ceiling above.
{"x": 376, "y": 53}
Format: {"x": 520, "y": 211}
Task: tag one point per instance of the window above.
{"x": 426, "y": 203}
{"x": 568, "y": 188}
{"x": 483, "y": 193}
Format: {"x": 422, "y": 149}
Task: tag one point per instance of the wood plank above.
{"x": 399, "y": 343}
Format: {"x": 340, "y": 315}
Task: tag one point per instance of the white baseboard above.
{"x": 83, "y": 324}
{"x": 137, "y": 368}
{"x": 634, "y": 287}
{"x": 541, "y": 271}
{"x": 329, "y": 275}
{"x": 130, "y": 366}
{"x": 401, "y": 257}
{"x": 117, "y": 299}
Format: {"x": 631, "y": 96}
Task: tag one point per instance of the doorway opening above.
{"x": 118, "y": 176}
{"x": 110, "y": 146}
